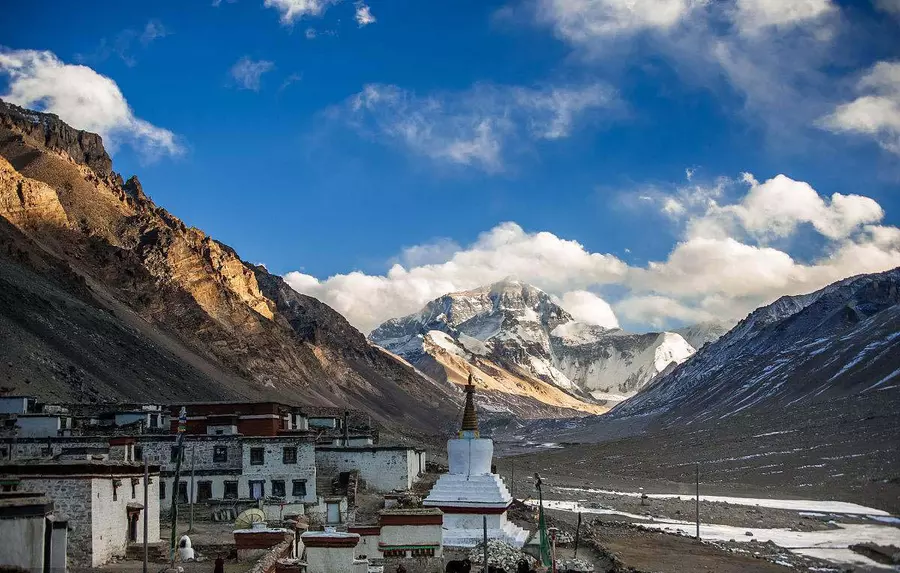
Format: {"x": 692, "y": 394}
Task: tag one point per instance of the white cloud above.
{"x": 583, "y": 21}
{"x": 585, "y": 306}
{"x": 721, "y": 268}
{"x": 889, "y": 6}
{"x": 248, "y": 73}
{"x": 475, "y": 126}
{"x": 755, "y": 15}
{"x": 82, "y": 98}
{"x": 292, "y": 10}
{"x": 876, "y": 113}
{"x": 542, "y": 259}
{"x": 364, "y": 15}
{"x": 742, "y": 42}
{"x": 153, "y": 31}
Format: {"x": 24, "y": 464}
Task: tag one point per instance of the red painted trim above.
{"x": 364, "y": 529}
{"x": 322, "y": 541}
{"x": 123, "y": 441}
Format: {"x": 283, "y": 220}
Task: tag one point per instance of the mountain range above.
{"x": 521, "y": 344}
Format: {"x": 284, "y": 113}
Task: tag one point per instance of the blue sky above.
{"x": 320, "y": 145}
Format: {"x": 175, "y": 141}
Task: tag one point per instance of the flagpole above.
{"x": 179, "y": 445}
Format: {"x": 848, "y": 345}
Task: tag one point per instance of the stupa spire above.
{"x": 469, "y": 427}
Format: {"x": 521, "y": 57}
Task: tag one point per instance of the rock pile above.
{"x": 574, "y": 566}
{"x": 500, "y": 555}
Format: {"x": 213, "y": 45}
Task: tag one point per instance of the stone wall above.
{"x": 109, "y": 513}
{"x": 383, "y": 469}
{"x": 274, "y": 468}
{"x": 72, "y": 500}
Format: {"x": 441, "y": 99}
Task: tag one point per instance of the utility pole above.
{"x": 512, "y": 480}
{"x": 179, "y": 448}
{"x": 577, "y": 535}
{"x": 191, "y": 524}
{"x": 484, "y": 522}
{"x": 697, "y": 503}
{"x": 146, "y": 506}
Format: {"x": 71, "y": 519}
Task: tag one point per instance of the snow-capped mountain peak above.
{"x": 520, "y": 328}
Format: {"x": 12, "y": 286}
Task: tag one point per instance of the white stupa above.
{"x": 469, "y": 491}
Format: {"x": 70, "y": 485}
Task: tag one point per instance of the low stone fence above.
{"x": 269, "y": 562}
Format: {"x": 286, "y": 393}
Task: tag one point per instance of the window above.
{"x": 257, "y": 489}
{"x": 290, "y": 456}
{"x": 204, "y": 491}
{"x": 162, "y": 490}
{"x": 134, "y": 482}
{"x": 299, "y": 488}
{"x": 257, "y": 456}
{"x": 174, "y": 455}
{"x": 220, "y": 454}
{"x": 139, "y": 453}
{"x": 278, "y": 487}
{"x": 182, "y": 492}
{"x": 231, "y": 490}
{"x": 154, "y": 420}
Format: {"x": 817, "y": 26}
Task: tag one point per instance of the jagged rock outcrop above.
{"x": 116, "y": 298}
{"x": 47, "y": 131}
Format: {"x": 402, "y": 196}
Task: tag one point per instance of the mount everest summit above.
{"x": 521, "y": 345}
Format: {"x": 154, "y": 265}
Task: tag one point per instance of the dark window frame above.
{"x": 220, "y": 454}
{"x": 278, "y": 484}
{"x": 162, "y": 489}
{"x": 186, "y": 498}
{"x": 173, "y": 454}
{"x": 257, "y": 456}
{"x": 298, "y": 488}
{"x": 289, "y": 455}
{"x": 228, "y": 485}
{"x": 204, "y": 486}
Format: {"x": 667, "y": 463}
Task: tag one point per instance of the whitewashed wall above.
{"x": 383, "y": 469}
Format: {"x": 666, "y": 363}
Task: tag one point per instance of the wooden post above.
{"x": 191, "y": 524}
{"x": 146, "y": 508}
{"x": 697, "y": 503}
{"x": 484, "y": 521}
{"x": 577, "y": 534}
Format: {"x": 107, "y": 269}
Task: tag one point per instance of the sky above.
{"x": 651, "y": 163}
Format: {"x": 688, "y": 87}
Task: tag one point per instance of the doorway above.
{"x": 133, "y": 517}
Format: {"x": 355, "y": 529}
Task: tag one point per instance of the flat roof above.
{"x": 36, "y": 505}
{"x": 103, "y": 468}
{"x": 367, "y": 448}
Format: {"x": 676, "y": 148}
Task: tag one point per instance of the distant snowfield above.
{"x": 791, "y": 504}
{"x": 829, "y": 545}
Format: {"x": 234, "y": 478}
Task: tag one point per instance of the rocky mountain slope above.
{"x": 838, "y": 341}
{"x": 104, "y": 295}
{"x": 521, "y": 343}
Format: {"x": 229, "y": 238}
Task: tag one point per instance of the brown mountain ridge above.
{"x": 106, "y": 296}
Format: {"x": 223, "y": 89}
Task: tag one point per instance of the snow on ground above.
{"x": 791, "y": 504}
{"x": 830, "y": 544}
{"x": 445, "y": 342}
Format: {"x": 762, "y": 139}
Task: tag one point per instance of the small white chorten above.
{"x": 469, "y": 491}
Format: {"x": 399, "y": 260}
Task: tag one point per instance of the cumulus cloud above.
{"x": 364, "y": 15}
{"x": 247, "y": 73}
{"x": 292, "y": 10}
{"x": 82, "y": 98}
{"x": 475, "y": 126}
{"x": 585, "y": 306}
{"x": 876, "y": 112}
{"x": 721, "y": 268}
{"x": 543, "y": 259}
